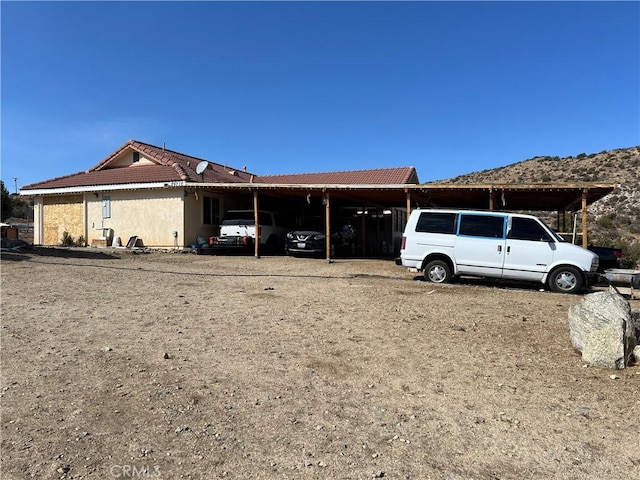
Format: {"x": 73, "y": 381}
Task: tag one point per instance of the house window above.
{"x": 106, "y": 207}
{"x": 211, "y": 211}
{"x": 136, "y": 157}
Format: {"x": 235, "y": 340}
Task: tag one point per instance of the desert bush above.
{"x": 606, "y": 222}
{"x": 68, "y": 240}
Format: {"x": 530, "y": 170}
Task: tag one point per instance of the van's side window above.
{"x": 430, "y": 222}
{"x": 527, "y": 229}
{"x": 482, "y": 226}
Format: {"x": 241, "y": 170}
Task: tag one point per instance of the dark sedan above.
{"x": 312, "y": 242}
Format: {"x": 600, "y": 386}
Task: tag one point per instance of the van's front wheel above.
{"x": 437, "y": 271}
{"x": 565, "y": 280}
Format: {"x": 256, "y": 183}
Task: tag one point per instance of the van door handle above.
{"x": 509, "y": 249}
{"x": 499, "y": 248}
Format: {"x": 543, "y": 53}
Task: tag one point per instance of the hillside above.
{"x": 615, "y": 220}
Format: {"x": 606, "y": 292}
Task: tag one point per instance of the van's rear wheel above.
{"x": 565, "y": 280}
{"x": 437, "y": 271}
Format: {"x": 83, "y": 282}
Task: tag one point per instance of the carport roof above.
{"x": 535, "y": 197}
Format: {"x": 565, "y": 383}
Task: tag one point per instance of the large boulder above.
{"x": 602, "y": 328}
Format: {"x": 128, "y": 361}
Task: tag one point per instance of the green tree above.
{"x": 7, "y": 203}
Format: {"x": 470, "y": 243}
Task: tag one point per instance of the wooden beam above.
{"x": 585, "y": 240}
{"x": 363, "y": 225}
{"x": 327, "y": 223}
{"x": 408, "y": 206}
{"x": 492, "y": 200}
{"x": 256, "y": 223}
{"x": 572, "y": 206}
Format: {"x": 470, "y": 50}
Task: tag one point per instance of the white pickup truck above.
{"x": 238, "y": 231}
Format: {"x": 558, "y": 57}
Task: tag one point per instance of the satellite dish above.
{"x": 201, "y": 167}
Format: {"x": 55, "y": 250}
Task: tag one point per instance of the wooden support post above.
{"x": 585, "y": 240}
{"x": 327, "y": 223}
{"x": 363, "y": 224}
{"x": 492, "y": 200}
{"x": 256, "y": 218}
{"x": 408, "y": 208}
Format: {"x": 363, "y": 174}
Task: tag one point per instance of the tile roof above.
{"x": 378, "y": 176}
{"x": 171, "y": 166}
{"x": 114, "y": 176}
{"x": 185, "y": 165}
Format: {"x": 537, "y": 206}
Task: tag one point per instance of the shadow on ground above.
{"x": 507, "y": 284}
{"x": 26, "y": 252}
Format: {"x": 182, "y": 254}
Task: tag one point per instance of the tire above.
{"x": 438, "y": 271}
{"x": 565, "y": 280}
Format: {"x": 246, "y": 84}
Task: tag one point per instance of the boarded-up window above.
{"x": 62, "y": 214}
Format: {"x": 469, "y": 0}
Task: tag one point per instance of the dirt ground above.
{"x": 169, "y": 365}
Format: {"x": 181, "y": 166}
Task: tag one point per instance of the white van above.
{"x": 448, "y": 243}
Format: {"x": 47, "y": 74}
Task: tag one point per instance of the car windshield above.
{"x": 555, "y": 235}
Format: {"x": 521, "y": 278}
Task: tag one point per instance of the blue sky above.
{"x": 297, "y": 87}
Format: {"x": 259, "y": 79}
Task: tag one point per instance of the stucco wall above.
{"x": 150, "y": 215}
{"x": 61, "y": 213}
{"x": 126, "y": 160}
{"x": 193, "y": 217}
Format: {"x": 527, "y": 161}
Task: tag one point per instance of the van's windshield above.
{"x": 555, "y": 235}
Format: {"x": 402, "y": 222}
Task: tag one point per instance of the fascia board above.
{"x": 103, "y": 188}
{"x": 271, "y": 186}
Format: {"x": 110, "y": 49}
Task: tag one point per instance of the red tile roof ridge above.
{"x": 162, "y": 155}
{"x": 180, "y": 171}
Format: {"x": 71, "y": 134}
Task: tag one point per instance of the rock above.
{"x": 635, "y": 319}
{"x": 636, "y": 354}
{"x": 605, "y": 347}
{"x": 601, "y": 328}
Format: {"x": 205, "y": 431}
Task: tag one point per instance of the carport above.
{"x": 562, "y": 199}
